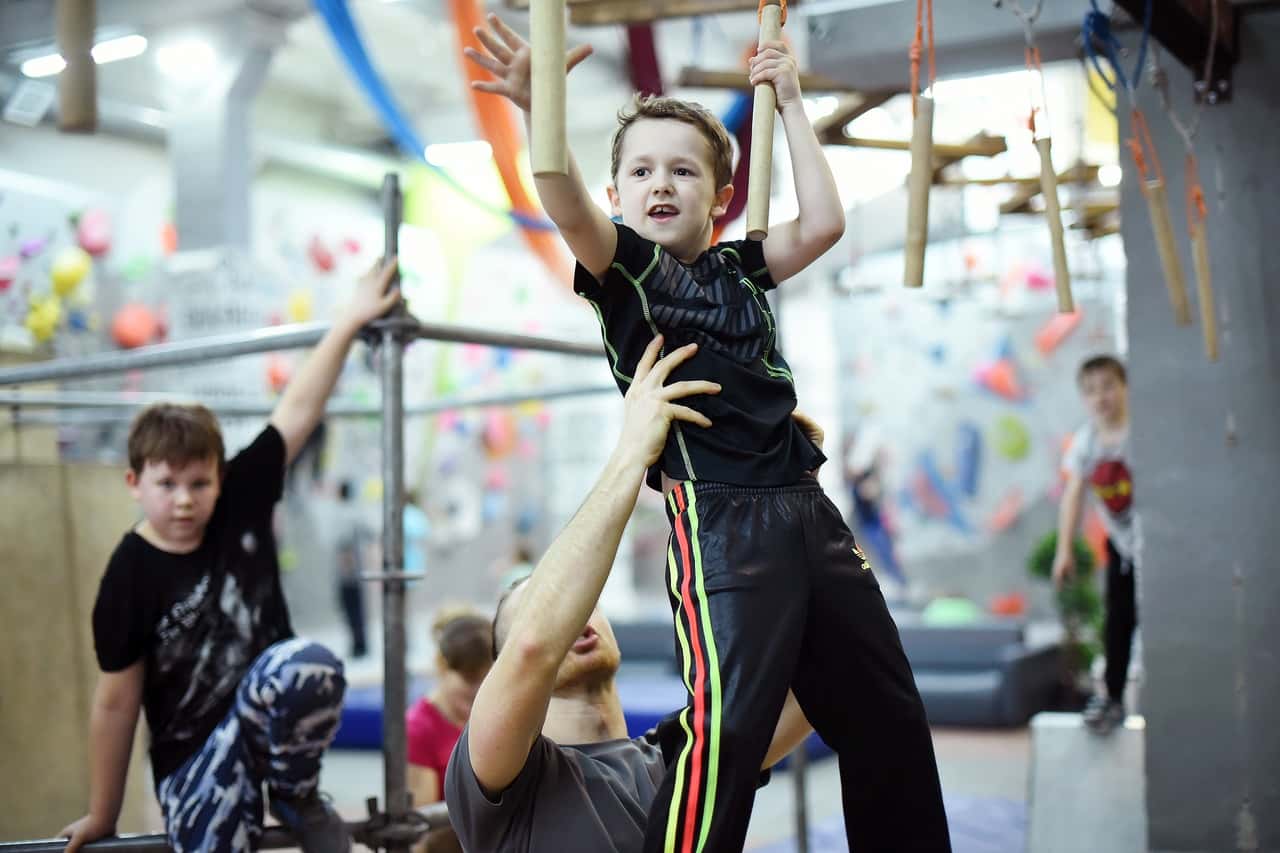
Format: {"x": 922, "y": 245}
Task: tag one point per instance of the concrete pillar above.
{"x": 209, "y": 135}
{"x": 1206, "y": 443}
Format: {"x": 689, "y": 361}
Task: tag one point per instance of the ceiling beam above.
{"x": 595, "y": 13}
{"x": 1182, "y": 26}
{"x": 849, "y": 109}
{"x": 701, "y": 78}
{"x": 981, "y": 145}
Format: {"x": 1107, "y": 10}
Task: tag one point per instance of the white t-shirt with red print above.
{"x": 1106, "y": 472}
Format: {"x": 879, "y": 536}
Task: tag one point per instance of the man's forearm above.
{"x": 818, "y": 198}
{"x": 567, "y": 582}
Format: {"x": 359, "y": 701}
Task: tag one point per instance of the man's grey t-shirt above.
{"x": 593, "y": 798}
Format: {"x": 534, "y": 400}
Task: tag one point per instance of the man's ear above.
{"x": 723, "y": 196}
{"x": 615, "y": 200}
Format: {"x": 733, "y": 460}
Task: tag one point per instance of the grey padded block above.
{"x": 1087, "y": 791}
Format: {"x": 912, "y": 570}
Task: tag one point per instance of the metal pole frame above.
{"x": 297, "y": 336}
{"x": 123, "y": 402}
{"x": 398, "y": 800}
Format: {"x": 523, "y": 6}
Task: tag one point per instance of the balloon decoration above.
{"x": 1012, "y": 438}
{"x": 31, "y": 248}
{"x": 321, "y": 258}
{"x": 1056, "y": 330}
{"x": 279, "y": 372}
{"x": 134, "y": 325}
{"x": 9, "y": 266}
{"x": 43, "y": 318}
{"x": 499, "y": 435}
{"x": 93, "y": 233}
{"x": 70, "y": 266}
{"x": 968, "y": 457}
{"x": 300, "y": 307}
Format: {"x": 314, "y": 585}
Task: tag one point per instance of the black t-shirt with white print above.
{"x": 718, "y": 302}
{"x": 199, "y": 619}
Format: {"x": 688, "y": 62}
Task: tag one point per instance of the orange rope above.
{"x": 1197, "y": 209}
{"x": 1033, "y": 65}
{"x": 763, "y": 3}
{"x": 917, "y": 48}
{"x": 1141, "y": 135}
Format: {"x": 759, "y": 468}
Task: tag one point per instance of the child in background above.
{"x": 1099, "y": 456}
{"x": 464, "y": 653}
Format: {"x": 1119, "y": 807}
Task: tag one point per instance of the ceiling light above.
{"x": 1109, "y": 175}
{"x": 111, "y": 50}
{"x": 189, "y": 60}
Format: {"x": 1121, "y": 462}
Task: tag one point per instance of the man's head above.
{"x": 594, "y": 657}
{"x": 1105, "y": 388}
{"x": 464, "y": 648}
{"x": 176, "y": 460}
{"x": 672, "y": 169}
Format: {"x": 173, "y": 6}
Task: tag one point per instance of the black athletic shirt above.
{"x": 198, "y": 619}
{"x": 718, "y": 302}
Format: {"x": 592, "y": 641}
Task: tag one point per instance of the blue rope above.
{"x": 1097, "y": 28}
{"x": 347, "y": 39}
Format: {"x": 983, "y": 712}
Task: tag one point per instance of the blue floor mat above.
{"x": 978, "y": 825}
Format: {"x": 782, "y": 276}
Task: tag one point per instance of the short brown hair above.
{"x": 463, "y": 638}
{"x": 701, "y": 118}
{"x": 175, "y": 433}
{"x": 1099, "y": 363}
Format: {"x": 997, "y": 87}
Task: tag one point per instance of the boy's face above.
{"x": 1106, "y": 395}
{"x": 665, "y": 187}
{"x": 177, "y": 500}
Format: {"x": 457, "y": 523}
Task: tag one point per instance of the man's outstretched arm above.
{"x": 563, "y": 590}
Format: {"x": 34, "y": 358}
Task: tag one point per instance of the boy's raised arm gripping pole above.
{"x": 921, "y": 178}
{"x": 549, "y": 148}
{"x": 760, "y": 179}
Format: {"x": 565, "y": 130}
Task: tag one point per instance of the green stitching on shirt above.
{"x": 613, "y": 354}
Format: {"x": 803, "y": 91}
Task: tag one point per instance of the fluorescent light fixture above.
{"x": 188, "y": 60}
{"x": 457, "y": 154}
{"x": 111, "y": 50}
{"x": 1109, "y": 175}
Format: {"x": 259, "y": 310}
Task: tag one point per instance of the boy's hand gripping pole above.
{"x": 549, "y": 149}
{"x": 772, "y": 16}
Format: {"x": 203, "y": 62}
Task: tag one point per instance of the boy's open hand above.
{"x": 507, "y": 57}
{"x": 774, "y": 64}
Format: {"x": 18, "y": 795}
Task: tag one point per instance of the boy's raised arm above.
{"x": 792, "y": 246}
{"x": 566, "y": 199}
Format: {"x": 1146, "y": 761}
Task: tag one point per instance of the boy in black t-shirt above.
{"x": 768, "y": 587}
{"x": 190, "y": 623}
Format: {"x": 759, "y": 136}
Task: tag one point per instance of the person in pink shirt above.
{"x": 464, "y": 652}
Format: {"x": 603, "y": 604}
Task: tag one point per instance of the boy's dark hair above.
{"x": 464, "y": 639}
{"x": 498, "y": 631}
{"x": 1099, "y": 363}
{"x": 175, "y": 433}
{"x": 696, "y": 115}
